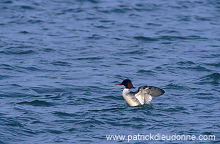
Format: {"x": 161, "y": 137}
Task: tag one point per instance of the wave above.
{"x": 146, "y": 72}
{"x": 146, "y": 39}
{"x": 37, "y": 103}
{"x": 213, "y": 78}
{"x": 61, "y": 63}
{"x": 64, "y": 114}
{"x": 18, "y": 52}
{"x": 194, "y": 68}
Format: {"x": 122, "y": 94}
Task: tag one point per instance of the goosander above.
{"x": 142, "y": 96}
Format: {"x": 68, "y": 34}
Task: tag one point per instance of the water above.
{"x": 60, "y": 61}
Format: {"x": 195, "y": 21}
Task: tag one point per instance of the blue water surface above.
{"x": 60, "y": 61}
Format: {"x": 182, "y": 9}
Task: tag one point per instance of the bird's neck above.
{"x": 126, "y": 91}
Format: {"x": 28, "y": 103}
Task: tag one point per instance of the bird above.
{"x": 142, "y": 96}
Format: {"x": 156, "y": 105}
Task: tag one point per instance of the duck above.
{"x": 142, "y": 96}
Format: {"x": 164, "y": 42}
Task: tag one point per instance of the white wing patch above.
{"x": 143, "y": 96}
{"x": 140, "y": 97}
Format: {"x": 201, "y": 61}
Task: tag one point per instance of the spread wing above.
{"x": 151, "y": 90}
{"x": 145, "y": 94}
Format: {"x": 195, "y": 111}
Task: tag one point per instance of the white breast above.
{"x": 130, "y": 98}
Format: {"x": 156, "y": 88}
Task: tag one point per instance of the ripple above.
{"x": 90, "y": 58}
{"x": 53, "y": 131}
{"x": 133, "y": 52}
{"x": 95, "y": 37}
{"x": 29, "y": 68}
{"x": 138, "y": 119}
{"x": 176, "y": 86}
{"x": 205, "y": 96}
{"x": 145, "y": 39}
{"x": 15, "y": 94}
{"x": 91, "y": 1}
{"x": 33, "y": 21}
{"x": 26, "y": 7}
{"x": 113, "y": 109}
{"x": 90, "y": 122}
{"x": 20, "y": 52}
{"x": 46, "y": 89}
{"x": 185, "y": 63}
{"x": 7, "y": 2}
{"x": 195, "y": 68}
{"x": 191, "y": 37}
{"x": 176, "y": 109}
{"x": 24, "y": 32}
{"x": 63, "y": 114}
{"x": 14, "y": 123}
{"x": 122, "y": 9}
{"x": 150, "y": 72}
{"x": 213, "y": 78}
{"x": 2, "y": 77}
{"x": 214, "y": 64}
{"x": 6, "y": 66}
{"x": 37, "y": 103}
{"x": 61, "y": 63}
